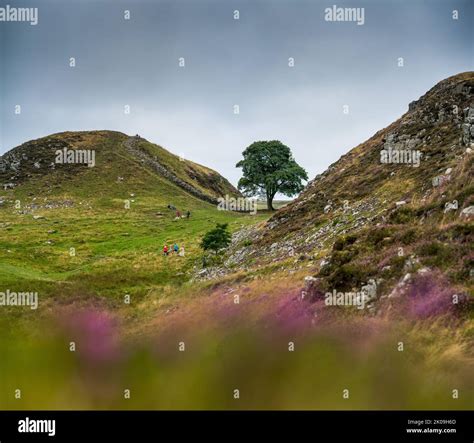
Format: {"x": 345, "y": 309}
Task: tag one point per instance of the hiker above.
{"x": 165, "y": 250}
{"x": 178, "y": 214}
{"x": 188, "y": 214}
{"x": 181, "y": 251}
{"x": 175, "y": 248}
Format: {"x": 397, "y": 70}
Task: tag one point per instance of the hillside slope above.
{"x": 366, "y": 218}
{"x": 77, "y": 232}
{"x": 433, "y": 126}
{"x": 118, "y": 161}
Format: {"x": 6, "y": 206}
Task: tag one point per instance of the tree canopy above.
{"x": 268, "y": 168}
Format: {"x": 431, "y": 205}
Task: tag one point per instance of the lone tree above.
{"x": 268, "y": 167}
{"x": 217, "y": 238}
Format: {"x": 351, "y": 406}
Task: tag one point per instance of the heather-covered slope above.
{"x": 440, "y": 125}
{"x": 365, "y": 219}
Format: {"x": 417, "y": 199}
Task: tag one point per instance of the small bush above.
{"x": 461, "y": 232}
{"x": 344, "y": 241}
{"x": 396, "y": 267}
{"x": 217, "y": 238}
{"x": 435, "y": 254}
{"x": 347, "y": 276}
{"x": 464, "y": 274}
{"x": 340, "y": 258}
{"x": 432, "y": 248}
{"x": 402, "y": 215}
{"x": 377, "y": 235}
{"x": 408, "y": 237}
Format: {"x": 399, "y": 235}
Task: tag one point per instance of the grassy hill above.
{"x": 257, "y": 322}
{"x": 116, "y": 173}
{"x": 73, "y": 231}
{"x": 84, "y": 239}
{"x": 117, "y": 252}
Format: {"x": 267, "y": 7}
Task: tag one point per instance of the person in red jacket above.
{"x": 165, "y": 250}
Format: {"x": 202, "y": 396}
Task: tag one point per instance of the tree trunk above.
{"x": 270, "y": 203}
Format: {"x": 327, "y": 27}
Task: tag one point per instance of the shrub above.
{"x": 343, "y": 241}
{"x": 464, "y": 274}
{"x": 396, "y": 266}
{"x": 402, "y": 215}
{"x": 436, "y": 254}
{"x": 340, "y": 258}
{"x": 432, "y": 248}
{"x": 217, "y": 238}
{"x": 462, "y": 232}
{"x": 347, "y": 276}
{"x": 377, "y": 235}
{"x": 408, "y": 236}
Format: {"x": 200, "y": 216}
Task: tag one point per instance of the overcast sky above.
{"x": 190, "y": 110}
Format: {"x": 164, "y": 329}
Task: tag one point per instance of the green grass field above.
{"x": 135, "y": 346}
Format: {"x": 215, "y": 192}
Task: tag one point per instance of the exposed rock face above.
{"x": 35, "y": 157}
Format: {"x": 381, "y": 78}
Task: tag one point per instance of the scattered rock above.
{"x": 310, "y": 290}
{"x": 451, "y": 206}
{"x": 467, "y": 212}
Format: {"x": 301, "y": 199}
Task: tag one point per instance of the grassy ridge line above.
{"x": 204, "y": 182}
